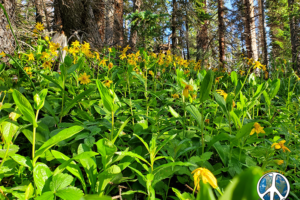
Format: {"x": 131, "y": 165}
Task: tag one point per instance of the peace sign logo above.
{"x": 273, "y": 186}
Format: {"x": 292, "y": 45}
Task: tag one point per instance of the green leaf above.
{"x": 11, "y": 151}
{"x": 221, "y": 102}
{"x": 72, "y": 167}
{"x": 39, "y": 99}
{"x": 62, "y": 135}
{"x": 164, "y": 143}
{"x": 134, "y": 155}
{"x": 24, "y": 161}
{"x": 247, "y": 179}
{"x": 41, "y": 176}
{"x": 8, "y": 130}
{"x": 139, "y": 77}
{"x": 106, "y": 176}
{"x": 29, "y": 191}
{"x": 60, "y": 181}
{"x": 267, "y": 98}
{"x": 173, "y": 112}
{"x": 96, "y": 197}
{"x": 46, "y": 196}
{"x": 121, "y": 129}
{"x": 245, "y": 130}
{"x": 71, "y": 104}
{"x": 70, "y": 193}
{"x": 234, "y": 78}
{"x": 105, "y": 96}
{"x": 157, "y": 169}
{"x": 25, "y": 107}
{"x": 53, "y": 81}
{"x": 205, "y": 192}
{"x": 206, "y": 86}
{"x": 141, "y": 139}
{"x": 196, "y": 114}
{"x": 275, "y": 85}
{"x": 107, "y": 150}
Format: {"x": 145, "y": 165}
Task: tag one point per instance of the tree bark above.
{"x": 294, "y": 41}
{"x": 174, "y": 26}
{"x": 39, "y": 11}
{"x": 250, "y": 30}
{"x": 119, "y": 30}
{"x": 57, "y": 16}
{"x": 99, "y": 13}
{"x": 109, "y": 30}
{"x": 221, "y": 33}
{"x": 78, "y": 19}
{"x": 202, "y": 37}
{"x": 263, "y": 33}
{"x": 7, "y": 42}
{"x": 133, "y": 32}
{"x": 187, "y": 31}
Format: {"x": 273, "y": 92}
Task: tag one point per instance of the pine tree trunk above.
{"x": 133, "y": 32}
{"x": 174, "y": 27}
{"x": 57, "y": 16}
{"x": 7, "y": 43}
{"x": 187, "y": 31}
{"x": 263, "y": 33}
{"x": 78, "y": 18}
{"x": 295, "y": 60}
{"x": 221, "y": 33}
{"x": 109, "y": 30}
{"x": 119, "y": 31}
{"x": 202, "y": 37}
{"x": 99, "y": 12}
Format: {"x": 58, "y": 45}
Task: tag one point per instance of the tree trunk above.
{"x": 99, "y": 12}
{"x": 174, "y": 26}
{"x": 263, "y": 33}
{"x": 295, "y": 61}
{"x": 7, "y": 42}
{"x": 133, "y": 32}
{"x": 109, "y": 31}
{"x": 39, "y": 11}
{"x": 187, "y": 31}
{"x": 250, "y": 30}
{"x": 57, "y": 16}
{"x": 119, "y": 31}
{"x": 78, "y": 19}
{"x": 202, "y": 37}
{"x": 221, "y": 33}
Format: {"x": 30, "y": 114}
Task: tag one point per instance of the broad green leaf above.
{"x": 196, "y": 114}
{"x": 275, "y": 85}
{"x": 106, "y": 176}
{"x": 46, "y": 196}
{"x": 11, "y": 151}
{"x": 164, "y": 143}
{"x": 96, "y": 197}
{"x": 142, "y": 140}
{"x": 245, "y": 130}
{"x": 8, "y": 130}
{"x": 89, "y": 164}
{"x": 60, "y": 181}
{"x": 221, "y": 102}
{"x": 53, "y": 81}
{"x": 24, "y": 161}
{"x": 105, "y": 96}
{"x": 121, "y": 129}
{"x": 41, "y": 176}
{"x": 139, "y": 77}
{"x": 173, "y": 112}
{"x": 171, "y": 164}
{"x": 107, "y": 150}
{"x": 138, "y": 173}
{"x": 247, "y": 179}
{"x": 24, "y": 107}
{"x": 267, "y": 98}
{"x": 70, "y": 193}
{"x": 62, "y": 135}
{"x": 72, "y": 167}
{"x": 129, "y": 192}
{"x": 71, "y": 104}
{"x": 206, "y": 86}
{"x": 234, "y": 78}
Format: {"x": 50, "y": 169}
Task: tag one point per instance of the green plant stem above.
{"x": 33, "y": 137}
{"x": 288, "y": 99}
{"x": 202, "y": 128}
{"x": 130, "y": 98}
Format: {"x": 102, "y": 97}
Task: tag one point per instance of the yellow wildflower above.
{"x": 280, "y": 145}
{"x": 257, "y": 65}
{"x": 242, "y": 72}
{"x": 84, "y": 79}
{"x": 107, "y": 83}
{"x": 218, "y": 79}
{"x": 109, "y": 49}
{"x": 27, "y": 69}
{"x": 76, "y": 43}
{"x": 206, "y": 176}
{"x": 30, "y": 56}
{"x": 85, "y": 46}
{"x": 65, "y": 48}
{"x": 186, "y": 90}
{"x": 175, "y": 96}
{"x": 221, "y": 92}
{"x": 186, "y": 71}
{"x": 279, "y": 162}
{"x": 39, "y": 26}
{"x": 257, "y": 128}
{"x": 206, "y": 121}
{"x": 151, "y": 73}
{"x": 103, "y": 62}
{"x": 45, "y": 55}
{"x": 284, "y": 60}
{"x": 123, "y": 56}
{"x": 110, "y": 66}
{"x": 2, "y": 54}
{"x": 47, "y": 65}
